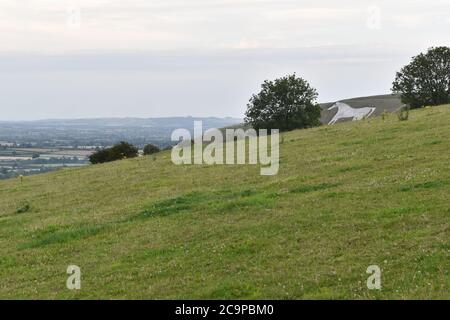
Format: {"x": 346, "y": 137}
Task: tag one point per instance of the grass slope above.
{"x": 346, "y": 197}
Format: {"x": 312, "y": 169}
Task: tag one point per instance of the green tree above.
{"x": 150, "y": 149}
{"x": 426, "y": 80}
{"x": 287, "y": 103}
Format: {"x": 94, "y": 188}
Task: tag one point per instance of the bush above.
{"x": 426, "y": 80}
{"x": 23, "y": 208}
{"x": 99, "y": 156}
{"x": 403, "y": 113}
{"x": 287, "y": 103}
{"x": 119, "y": 151}
{"x": 150, "y": 149}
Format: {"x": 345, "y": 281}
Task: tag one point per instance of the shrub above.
{"x": 99, "y": 156}
{"x": 119, "y": 151}
{"x": 23, "y": 208}
{"x": 403, "y": 113}
{"x": 150, "y": 149}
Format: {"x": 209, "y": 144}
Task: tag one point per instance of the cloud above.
{"x": 206, "y": 83}
{"x": 163, "y": 57}
{"x": 42, "y": 25}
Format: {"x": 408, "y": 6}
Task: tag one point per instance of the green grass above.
{"x": 346, "y": 197}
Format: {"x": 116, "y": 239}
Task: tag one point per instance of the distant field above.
{"x": 14, "y": 158}
{"x": 373, "y": 192}
{"x": 56, "y": 151}
{"x": 27, "y": 161}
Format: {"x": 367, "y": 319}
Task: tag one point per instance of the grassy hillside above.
{"x": 346, "y": 197}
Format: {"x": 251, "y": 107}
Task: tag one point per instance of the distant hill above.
{"x": 388, "y": 102}
{"x": 163, "y": 122}
{"x": 103, "y": 131}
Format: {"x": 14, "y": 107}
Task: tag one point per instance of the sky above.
{"x": 150, "y": 58}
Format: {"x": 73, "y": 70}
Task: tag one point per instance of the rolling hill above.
{"x": 382, "y": 103}
{"x": 372, "y": 192}
{"x": 102, "y": 131}
{"x": 389, "y": 103}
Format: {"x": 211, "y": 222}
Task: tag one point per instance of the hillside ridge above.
{"x": 346, "y": 197}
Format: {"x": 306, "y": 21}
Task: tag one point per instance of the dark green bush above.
{"x": 23, "y": 208}
{"x": 119, "y": 151}
{"x": 150, "y": 149}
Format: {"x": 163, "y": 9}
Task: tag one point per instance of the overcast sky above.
{"x": 147, "y": 58}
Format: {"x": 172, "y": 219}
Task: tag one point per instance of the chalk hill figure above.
{"x": 345, "y": 111}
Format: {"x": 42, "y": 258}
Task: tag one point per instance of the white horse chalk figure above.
{"x": 345, "y": 111}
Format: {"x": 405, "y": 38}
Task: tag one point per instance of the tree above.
{"x": 426, "y": 80}
{"x": 150, "y": 149}
{"x": 119, "y": 151}
{"x": 287, "y": 103}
